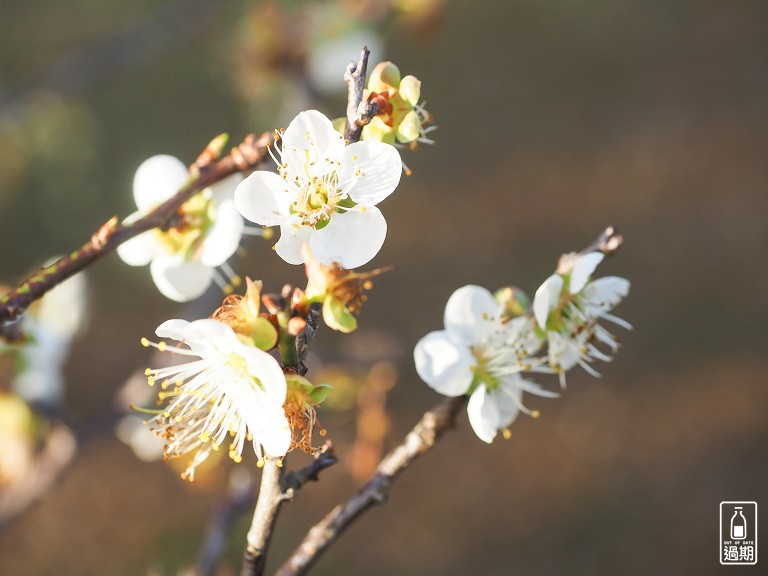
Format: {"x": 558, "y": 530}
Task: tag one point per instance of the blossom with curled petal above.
{"x": 325, "y": 194}
{"x": 482, "y": 354}
{"x": 231, "y": 389}
{"x": 205, "y": 233}
{"x": 568, "y": 307}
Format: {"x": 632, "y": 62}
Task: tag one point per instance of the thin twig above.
{"x": 355, "y": 79}
{"x": 432, "y": 425}
{"x": 246, "y": 156}
{"x": 325, "y": 457}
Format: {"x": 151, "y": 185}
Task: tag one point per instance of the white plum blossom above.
{"x": 325, "y": 194}
{"x": 206, "y": 232}
{"x": 483, "y": 354}
{"x": 231, "y": 390}
{"x": 568, "y": 307}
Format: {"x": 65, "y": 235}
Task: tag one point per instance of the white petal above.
{"x": 266, "y": 368}
{"x": 157, "y": 179}
{"x": 373, "y": 169}
{"x": 352, "y": 238}
{"x": 174, "y": 329}
{"x": 277, "y": 438}
{"x": 483, "y": 414}
{"x": 264, "y": 198}
{"x": 564, "y": 353}
{"x": 225, "y": 189}
{"x": 223, "y": 238}
{"x": 180, "y": 280}
{"x": 603, "y": 294}
{"x": 141, "y": 249}
{"x": 292, "y": 237}
{"x": 63, "y": 310}
{"x": 310, "y": 137}
{"x": 444, "y": 363}
{"x": 508, "y": 398}
{"x": 546, "y": 298}
{"x": 583, "y": 268}
{"x": 470, "y": 311}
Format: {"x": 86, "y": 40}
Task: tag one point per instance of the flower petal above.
{"x": 223, "y": 238}
{"x": 225, "y": 189}
{"x": 352, "y": 238}
{"x": 410, "y": 89}
{"x": 141, "y": 249}
{"x": 370, "y": 171}
{"x": 174, "y": 329}
{"x": 603, "y": 294}
{"x": 546, "y": 298}
{"x": 264, "y": 198}
{"x": 444, "y": 363}
{"x": 292, "y": 236}
{"x": 309, "y": 138}
{"x": 582, "y": 269}
{"x": 179, "y": 279}
{"x": 483, "y": 414}
{"x": 470, "y": 311}
{"x": 157, "y": 179}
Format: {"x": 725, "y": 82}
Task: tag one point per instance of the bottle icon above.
{"x": 738, "y": 525}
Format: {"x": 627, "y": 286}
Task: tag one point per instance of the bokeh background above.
{"x": 556, "y": 118}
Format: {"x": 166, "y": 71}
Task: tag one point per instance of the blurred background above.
{"x": 555, "y": 119}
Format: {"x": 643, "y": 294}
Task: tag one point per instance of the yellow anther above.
{"x": 151, "y": 381}
{"x": 145, "y": 342}
{"x": 535, "y": 414}
{"x": 148, "y": 372}
{"x": 162, "y": 346}
{"x": 507, "y": 433}
{"x": 260, "y": 463}
{"x": 279, "y": 463}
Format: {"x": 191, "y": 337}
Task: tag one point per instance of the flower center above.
{"x": 190, "y": 226}
{"x": 317, "y": 200}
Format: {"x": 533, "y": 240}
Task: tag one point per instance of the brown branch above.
{"x": 271, "y": 498}
{"x": 246, "y": 156}
{"x": 276, "y": 489}
{"x": 421, "y": 439}
{"x": 355, "y": 79}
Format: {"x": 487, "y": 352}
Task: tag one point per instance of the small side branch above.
{"x": 420, "y": 439}
{"x": 357, "y": 115}
{"x": 245, "y": 157}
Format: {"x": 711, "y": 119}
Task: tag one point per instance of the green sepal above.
{"x": 263, "y": 333}
{"x": 320, "y": 392}
{"x": 337, "y": 317}
{"x": 409, "y": 128}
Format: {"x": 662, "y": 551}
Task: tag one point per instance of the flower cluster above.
{"x": 402, "y": 119}
{"x": 489, "y": 342}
